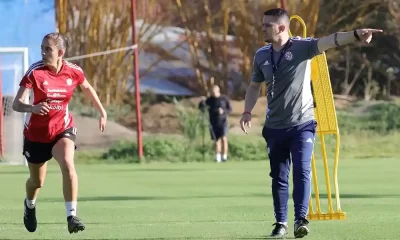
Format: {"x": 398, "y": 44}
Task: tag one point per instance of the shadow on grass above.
{"x": 157, "y": 170}
{"x": 168, "y": 238}
{"x": 144, "y": 198}
{"x": 149, "y": 170}
{"x": 261, "y": 237}
{"x": 53, "y": 223}
{"x": 14, "y": 172}
{"x": 25, "y": 172}
{"x": 83, "y": 238}
{"x": 156, "y": 198}
{"x": 349, "y": 195}
{"x": 346, "y": 195}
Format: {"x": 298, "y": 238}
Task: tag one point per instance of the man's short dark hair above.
{"x": 277, "y": 13}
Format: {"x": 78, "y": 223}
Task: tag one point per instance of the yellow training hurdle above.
{"x": 327, "y": 124}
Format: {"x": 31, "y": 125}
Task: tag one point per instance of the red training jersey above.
{"x": 56, "y": 90}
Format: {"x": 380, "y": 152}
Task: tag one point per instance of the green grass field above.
{"x": 197, "y": 201}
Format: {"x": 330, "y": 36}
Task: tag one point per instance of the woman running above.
{"x": 49, "y": 130}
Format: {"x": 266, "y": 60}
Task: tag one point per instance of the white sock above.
{"x": 225, "y": 156}
{"x": 31, "y": 204}
{"x": 218, "y": 157}
{"x": 284, "y": 223}
{"x": 71, "y": 208}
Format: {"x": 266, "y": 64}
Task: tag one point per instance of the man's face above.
{"x": 272, "y": 28}
{"x": 50, "y": 51}
{"x": 216, "y": 91}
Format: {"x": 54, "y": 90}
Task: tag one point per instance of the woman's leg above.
{"x": 33, "y": 185}
{"x": 37, "y": 155}
{"x": 63, "y": 151}
{"x": 35, "y": 182}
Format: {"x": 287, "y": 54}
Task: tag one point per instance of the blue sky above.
{"x": 24, "y": 23}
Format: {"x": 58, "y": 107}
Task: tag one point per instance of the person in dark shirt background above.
{"x": 219, "y": 107}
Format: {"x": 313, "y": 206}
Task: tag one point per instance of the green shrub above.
{"x": 351, "y": 123}
{"x": 385, "y": 116}
{"x": 173, "y": 149}
{"x": 246, "y": 149}
{"x": 361, "y": 135}
{"x": 114, "y": 112}
{"x": 192, "y": 121}
{"x": 122, "y": 151}
{"x": 381, "y": 119}
{"x": 154, "y": 148}
{"x": 250, "y": 148}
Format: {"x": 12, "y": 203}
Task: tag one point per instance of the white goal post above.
{"x": 14, "y": 63}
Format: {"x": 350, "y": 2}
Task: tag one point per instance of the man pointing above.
{"x": 290, "y": 126}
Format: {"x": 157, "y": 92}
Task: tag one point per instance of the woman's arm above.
{"x": 89, "y": 92}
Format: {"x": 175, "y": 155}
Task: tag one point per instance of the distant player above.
{"x": 219, "y": 107}
{"x": 290, "y": 126}
{"x": 50, "y": 131}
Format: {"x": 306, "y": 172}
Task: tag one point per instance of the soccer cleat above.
{"x": 280, "y": 230}
{"x": 74, "y": 224}
{"x": 301, "y": 228}
{"x": 30, "y": 221}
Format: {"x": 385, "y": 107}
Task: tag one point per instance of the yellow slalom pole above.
{"x": 313, "y": 165}
{"x": 298, "y": 18}
{"x": 327, "y": 124}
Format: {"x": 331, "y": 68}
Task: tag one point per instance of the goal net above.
{"x": 13, "y": 65}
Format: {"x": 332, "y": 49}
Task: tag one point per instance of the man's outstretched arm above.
{"x": 344, "y": 38}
